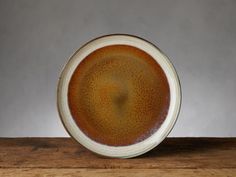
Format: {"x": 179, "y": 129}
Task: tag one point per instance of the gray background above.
{"x": 37, "y": 37}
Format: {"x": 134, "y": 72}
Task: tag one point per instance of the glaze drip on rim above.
{"x": 118, "y": 95}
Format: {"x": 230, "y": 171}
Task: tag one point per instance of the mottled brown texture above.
{"x": 119, "y": 95}
{"x": 65, "y": 157}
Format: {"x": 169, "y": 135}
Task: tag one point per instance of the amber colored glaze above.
{"x": 118, "y": 95}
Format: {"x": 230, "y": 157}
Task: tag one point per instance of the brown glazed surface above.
{"x": 118, "y": 95}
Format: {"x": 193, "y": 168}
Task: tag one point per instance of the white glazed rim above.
{"x": 119, "y": 151}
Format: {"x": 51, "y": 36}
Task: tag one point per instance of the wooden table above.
{"x": 188, "y": 157}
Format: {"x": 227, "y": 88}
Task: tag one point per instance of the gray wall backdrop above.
{"x": 37, "y": 37}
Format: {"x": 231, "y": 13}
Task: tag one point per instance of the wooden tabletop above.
{"x": 188, "y": 157}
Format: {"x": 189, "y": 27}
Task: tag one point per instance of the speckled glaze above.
{"x": 118, "y": 95}
{"x": 115, "y": 107}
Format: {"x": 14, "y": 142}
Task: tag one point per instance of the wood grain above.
{"x": 58, "y": 156}
{"x": 39, "y": 172}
